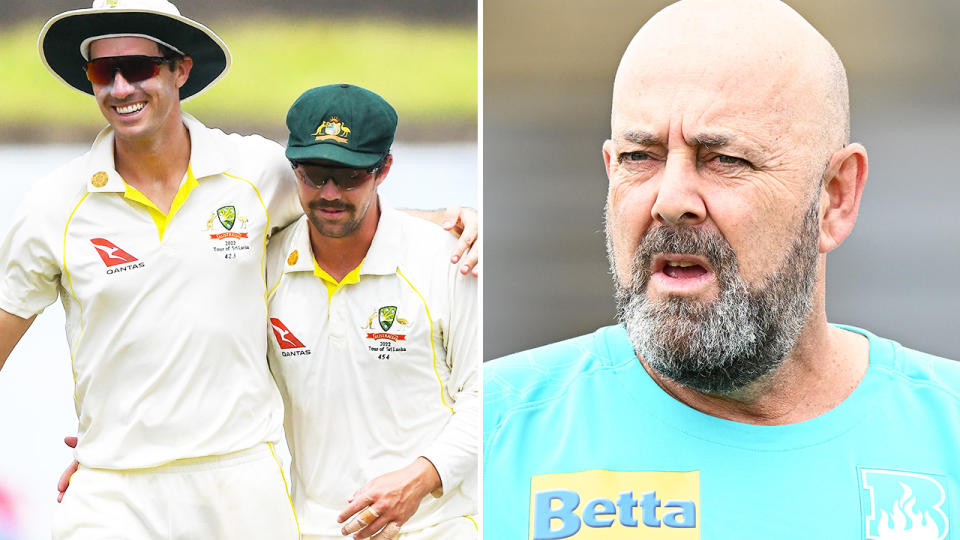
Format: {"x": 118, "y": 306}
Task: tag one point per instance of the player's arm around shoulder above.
{"x": 262, "y": 162}
{"x": 463, "y": 223}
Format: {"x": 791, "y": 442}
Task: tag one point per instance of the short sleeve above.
{"x": 29, "y": 269}
{"x": 279, "y": 188}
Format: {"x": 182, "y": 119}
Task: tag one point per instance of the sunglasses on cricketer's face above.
{"x": 346, "y": 178}
{"x": 134, "y": 68}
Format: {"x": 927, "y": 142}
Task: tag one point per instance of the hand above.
{"x": 392, "y": 497}
{"x": 465, "y": 224}
{"x": 64, "y": 482}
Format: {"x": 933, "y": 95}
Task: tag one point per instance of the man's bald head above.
{"x": 728, "y": 156}
{"x": 760, "y": 50}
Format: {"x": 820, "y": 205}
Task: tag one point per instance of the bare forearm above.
{"x": 464, "y": 224}
{"x": 427, "y": 477}
{"x": 12, "y": 329}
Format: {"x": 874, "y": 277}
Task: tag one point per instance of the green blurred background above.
{"x": 421, "y": 56}
{"x": 548, "y": 70}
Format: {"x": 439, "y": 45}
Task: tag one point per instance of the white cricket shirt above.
{"x": 166, "y": 314}
{"x": 381, "y": 371}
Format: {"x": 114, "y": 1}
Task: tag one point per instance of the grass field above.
{"x": 428, "y": 72}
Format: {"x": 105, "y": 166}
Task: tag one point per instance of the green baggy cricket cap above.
{"x": 341, "y": 123}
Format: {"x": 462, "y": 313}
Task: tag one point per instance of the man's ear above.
{"x": 184, "y": 65}
{"x": 608, "y": 160}
{"x": 382, "y": 173}
{"x": 840, "y": 199}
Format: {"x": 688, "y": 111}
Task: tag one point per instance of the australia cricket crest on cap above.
{"x": 332, "y": 130}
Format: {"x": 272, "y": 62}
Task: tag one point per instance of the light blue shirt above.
{"x": 580, "y": 442}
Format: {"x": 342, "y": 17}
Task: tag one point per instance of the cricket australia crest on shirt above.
{"x": 229, "y": 228}
{"x": 380, "y": 323}
{"x": 904, "y": 505}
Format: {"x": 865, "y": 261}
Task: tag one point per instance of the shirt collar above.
{"x": 299, "y": 252}
{"x": 385, "y": 251}
{"x": 207, "y": 157}
{"x": 102, "y": 176}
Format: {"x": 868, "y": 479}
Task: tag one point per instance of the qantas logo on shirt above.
{"x": 599, "y": 504}
{"x": 110, "y": 253}
{"x": 114, "y": 256}
{"x": 287, "y": 340}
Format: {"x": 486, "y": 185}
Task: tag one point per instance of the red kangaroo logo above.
{"x": 285, "y": 337}
{"x": 110, "y": 253}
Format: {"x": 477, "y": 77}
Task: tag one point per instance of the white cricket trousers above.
{"x": 237, "y": 496}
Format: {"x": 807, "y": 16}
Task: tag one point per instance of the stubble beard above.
{"x": 354, "y": 219}
{"x": 725, "y": 345}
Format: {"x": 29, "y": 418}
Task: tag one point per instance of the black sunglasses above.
{"x": 134, "y": 68}
{"x": 346, "y": 178}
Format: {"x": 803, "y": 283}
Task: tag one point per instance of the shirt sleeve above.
{"x": 29, "y": 269}
{"x": 279, "y": 189}
{"x": 454, "y": 452}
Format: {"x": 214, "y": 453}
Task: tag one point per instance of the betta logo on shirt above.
{"x": 599, "y": 504}
{"x": 904, "y": 505}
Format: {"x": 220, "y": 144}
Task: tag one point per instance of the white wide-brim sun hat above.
{"x": 64, "y": 41}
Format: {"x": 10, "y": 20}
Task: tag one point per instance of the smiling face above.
{"x": 720, "y": 135}
{"x": 141, "y": 110}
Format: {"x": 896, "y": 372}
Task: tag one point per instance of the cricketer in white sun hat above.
{"x": 64, "y": 41}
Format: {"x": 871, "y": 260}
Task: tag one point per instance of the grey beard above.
{"x": 744, "y": 334}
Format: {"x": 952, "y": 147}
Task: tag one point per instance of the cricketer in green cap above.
{"x": 339, "y": 147}
{"x": 353, "y": 258}
{"x": 340, "y": 123}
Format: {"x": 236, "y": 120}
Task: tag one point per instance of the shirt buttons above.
{"x": 335, "y": 321}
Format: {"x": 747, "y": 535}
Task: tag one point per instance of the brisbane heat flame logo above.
{"x": 904, "y": 506}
